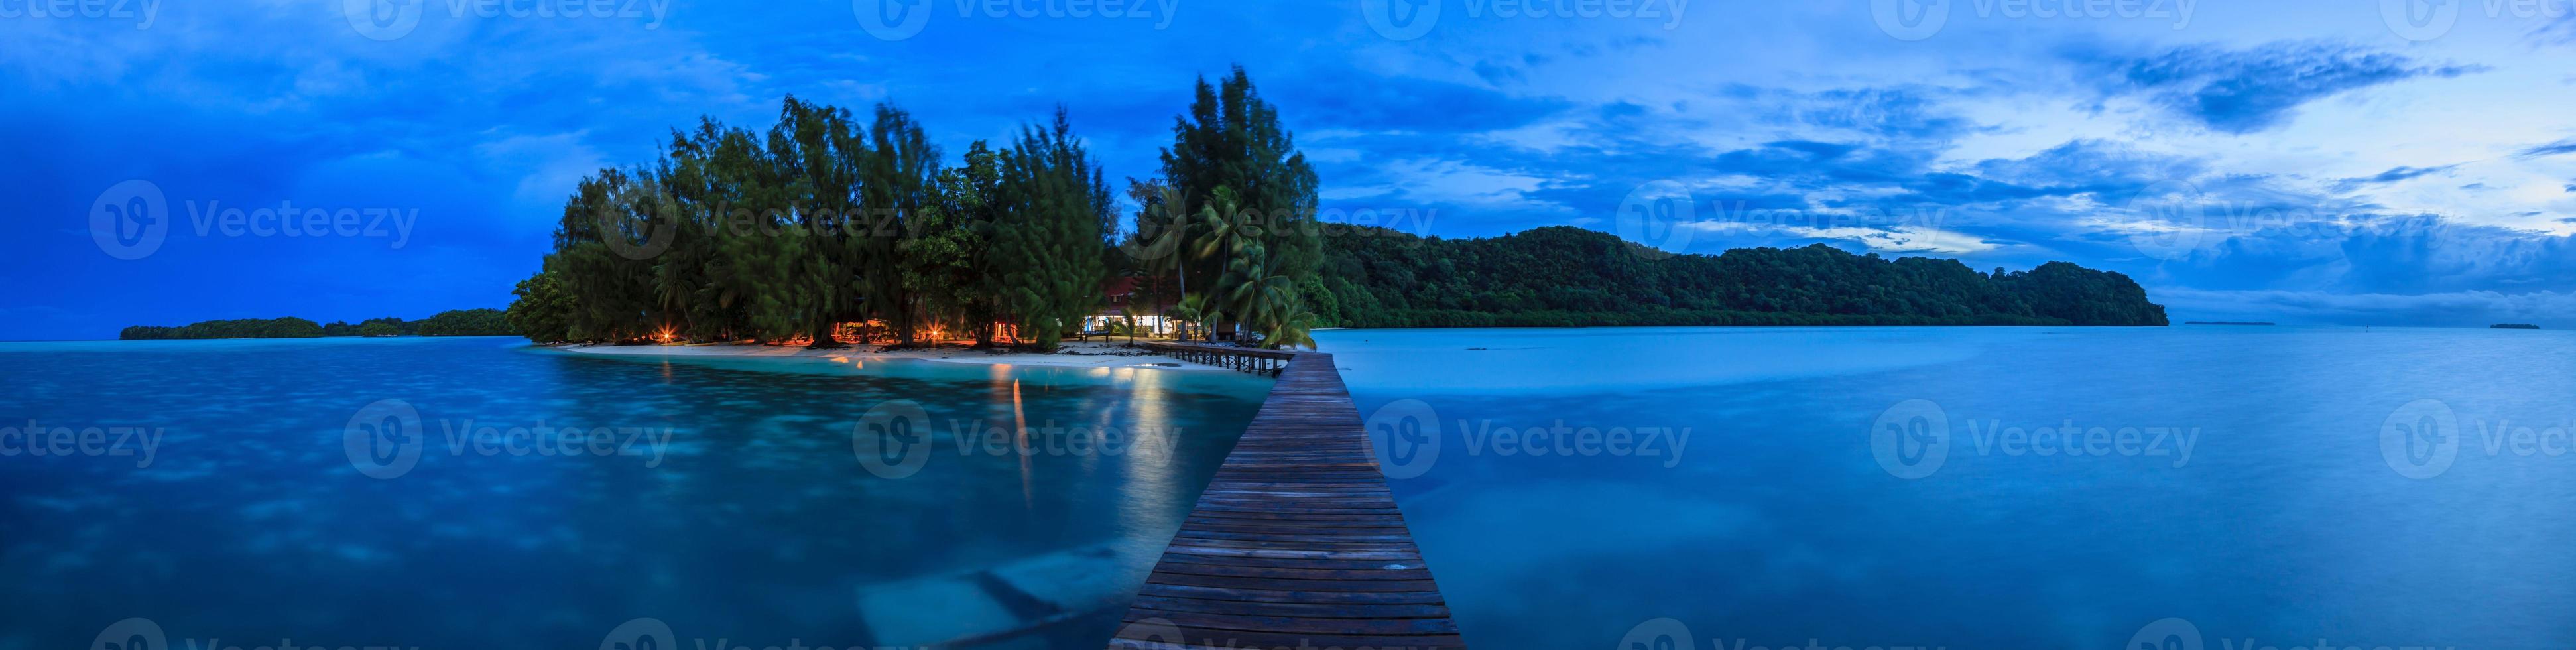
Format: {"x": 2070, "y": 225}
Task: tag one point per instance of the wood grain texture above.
{"x": 1297, "y": 541}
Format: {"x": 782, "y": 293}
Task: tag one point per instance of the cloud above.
{"x": 2252, "y": 90}
{"x": 1461, "y": 184}
{"x": 2391, "y": 176}
{"x": 2551, "y": 149}
{"x": 1333, "y": 98}
{"x": 1893, "y": 239}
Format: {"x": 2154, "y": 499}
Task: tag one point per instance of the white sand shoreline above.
{"x": 1074, "y": 354}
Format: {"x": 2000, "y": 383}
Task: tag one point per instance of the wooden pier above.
{"x": 1296, "y": 543}
{"x": 1253, "y": 360}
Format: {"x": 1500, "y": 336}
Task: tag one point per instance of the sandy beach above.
{"x": 1073, "y": 354}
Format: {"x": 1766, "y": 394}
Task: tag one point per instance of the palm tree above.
{"x": 1230, "y": 232}
{"x": 1129, "y": 312}
{"x": 1190, "y": 310}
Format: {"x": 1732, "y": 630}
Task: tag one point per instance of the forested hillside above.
{"x": 1563, "y": 276}
{"x": 453, "y": 322}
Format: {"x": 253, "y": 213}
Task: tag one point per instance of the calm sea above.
{"x": 2165, "y": 488}
{"x": 474, "y": 493}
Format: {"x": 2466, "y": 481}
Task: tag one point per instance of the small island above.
{"x": 454, "y": 322}
{"x": 2513, "y": 326}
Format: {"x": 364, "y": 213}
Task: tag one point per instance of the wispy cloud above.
{"x": 2251, "y": 90}
{"x": 2390, "y": 176}
{"x": 2555, "y": 148}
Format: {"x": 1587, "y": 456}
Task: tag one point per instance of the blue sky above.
{"x": 2360, "y": 162}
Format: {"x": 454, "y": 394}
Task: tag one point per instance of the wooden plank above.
{"x": 1297, "y": 541}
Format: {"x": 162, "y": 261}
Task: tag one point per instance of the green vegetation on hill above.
{"x": 1563, "y": 276}
{"x": 467, "y": 322}
{"x": 457, "y": 322}
{"x": 830, "y": 225}
{"x": 247, "y": 328}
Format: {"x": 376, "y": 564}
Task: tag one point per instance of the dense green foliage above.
{"x": 345, "y": 328}
{"x": 247, "y": 328}
{"x": 824, "y": 222}
{"x": 458, "y": 322}
{"x": 1562, "y": 276}
{"x": 542, "y": 308}
{"x": 1231, "y": 224}
{"x": 467, "y": 322}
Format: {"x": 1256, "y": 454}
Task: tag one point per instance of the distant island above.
{"x": 2513, "y": 326}
{"x": 455, "y": 322}
{"x": 2225, "y": 322}
{"x": 1566, "y": 276}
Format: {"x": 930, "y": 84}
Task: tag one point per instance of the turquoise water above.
{"x": 1780, "y": 524}
{"x": 726, "y": 500}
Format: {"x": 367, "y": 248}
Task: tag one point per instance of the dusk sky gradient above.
{"x": 2349, "y": 163}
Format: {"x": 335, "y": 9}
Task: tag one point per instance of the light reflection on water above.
{"x": 758, "y": 525}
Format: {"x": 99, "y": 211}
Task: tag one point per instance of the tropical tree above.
{"x": 541, "y": 309}
{"x": 1050, "y": 240}
{"x": 1232, "y": 140}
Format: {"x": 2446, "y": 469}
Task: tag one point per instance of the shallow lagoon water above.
{"x": 754, "y": 523}
{"x": 1778, "y": 525}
